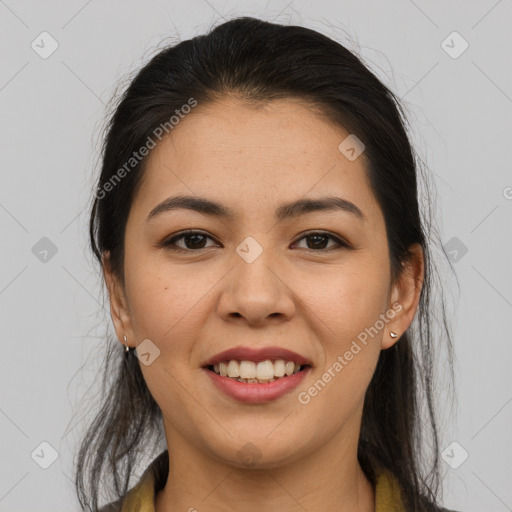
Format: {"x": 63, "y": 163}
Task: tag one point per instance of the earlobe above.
{"x": 118, "y": 306}
{"x": 406, "y": 293}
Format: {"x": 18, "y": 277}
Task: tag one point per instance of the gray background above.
{"x": 52, "y": 110}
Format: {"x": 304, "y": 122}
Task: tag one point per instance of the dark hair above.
{"x": 259, "y": 62}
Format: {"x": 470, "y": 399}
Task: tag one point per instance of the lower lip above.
{"x": 254, "y": 392}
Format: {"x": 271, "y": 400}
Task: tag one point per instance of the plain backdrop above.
{"x": 449, "y": 61}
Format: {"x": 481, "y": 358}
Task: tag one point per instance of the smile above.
{"x": 252, "y": 389}
{"x": 262, "y": 372}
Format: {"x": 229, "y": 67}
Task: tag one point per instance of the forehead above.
{"x": 241, "y": 154}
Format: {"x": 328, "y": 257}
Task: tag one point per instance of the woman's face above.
{"x": 257, "y": 280}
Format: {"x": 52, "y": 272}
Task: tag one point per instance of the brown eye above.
{"x": 193, "y": 241}
{"x": 319, "y": 240}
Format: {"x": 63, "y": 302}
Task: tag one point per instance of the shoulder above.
{"x": 389, "y": 495}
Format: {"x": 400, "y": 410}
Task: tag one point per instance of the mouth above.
{"x": 262, "y": 372}
{"x": 257, "y": 375}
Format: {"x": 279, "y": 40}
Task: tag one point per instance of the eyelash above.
{"x": 171, "y": 241}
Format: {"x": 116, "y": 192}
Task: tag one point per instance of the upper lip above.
{"x": 256, "y": 355}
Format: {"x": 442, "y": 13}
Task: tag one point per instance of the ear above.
{"x": 405, "y": 295}
{"x": 119, "y": 310}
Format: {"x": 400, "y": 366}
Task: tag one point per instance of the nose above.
{"x": 257, "y": 291}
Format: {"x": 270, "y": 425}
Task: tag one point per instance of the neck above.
{"x": 328, "y": 479}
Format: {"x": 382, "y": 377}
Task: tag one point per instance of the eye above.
{"x": 194, "y": 239}
{"x": 319, "y": 238}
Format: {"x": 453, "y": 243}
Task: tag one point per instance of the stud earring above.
{"x": 126, "y": 347}
{"x": 393, "y": 334}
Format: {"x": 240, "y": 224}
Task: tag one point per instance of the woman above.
{"x": 258, "y": 228}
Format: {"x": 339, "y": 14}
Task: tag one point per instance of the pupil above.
{"x": 316, "y": 237}
{"x": 194, "y": 245}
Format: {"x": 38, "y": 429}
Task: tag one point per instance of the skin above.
{"x": 314, "y": 301}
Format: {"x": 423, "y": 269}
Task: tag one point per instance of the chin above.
{"x": 258, "y": 454}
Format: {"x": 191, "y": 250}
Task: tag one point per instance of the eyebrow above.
{"x": 285, "y": 211}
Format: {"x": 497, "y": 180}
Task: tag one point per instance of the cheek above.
{"x": 345, "y": 300}
{"x": 166, "y": 302}
{"x": 361, "y": 300}
{"x": 154, "y": 307}
{"x": 166, "y": 307}
{"x": 347, "y": 307}
{"x": 346, "y": 312}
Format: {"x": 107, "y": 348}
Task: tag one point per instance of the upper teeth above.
{"x": 265, "y": 370}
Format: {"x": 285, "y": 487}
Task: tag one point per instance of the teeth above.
{"x": 279, "y": 368}
{"x": 247, "y": 370}
{"x": 233, "y": 369}
{"x": 264, "y": 371}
